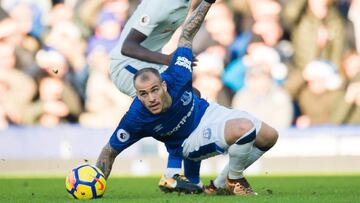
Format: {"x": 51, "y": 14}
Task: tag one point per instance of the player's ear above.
{"x": 164, "y": 86}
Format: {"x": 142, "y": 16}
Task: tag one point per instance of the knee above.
{"x": 267, "y": 137}
{"x": 236, "y": 129}
{"x": 273, "y": 137}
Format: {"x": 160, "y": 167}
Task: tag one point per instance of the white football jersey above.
{"x": 158, "y": 20}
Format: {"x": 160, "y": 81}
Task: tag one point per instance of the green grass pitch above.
{"x": 270, "y": 188}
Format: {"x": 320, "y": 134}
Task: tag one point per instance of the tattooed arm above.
{"x": 192, "y": 25}
{"x": 106, "y": 159}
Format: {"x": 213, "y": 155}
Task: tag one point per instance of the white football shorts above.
{"x": 122, "y": 73}
{"x": 208, "y": 139}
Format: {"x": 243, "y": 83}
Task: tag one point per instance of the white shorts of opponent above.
{"x": 122, "y": 73}
{"x": 208, "y": 139}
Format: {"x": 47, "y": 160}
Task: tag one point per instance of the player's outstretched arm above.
{"x": 192, "y": 25}
{"x": 106, "y": 159}
{"x": 132, "y": 48}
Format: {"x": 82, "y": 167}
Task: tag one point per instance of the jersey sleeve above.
{"x": 180, "y": 69}
{"x": 151, "y": 16}
{"x": 123, "y": 137}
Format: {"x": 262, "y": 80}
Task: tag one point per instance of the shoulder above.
{"x": 138, "y": 114}
{"x": 135, "y": 111}
{"x": 131, "y": 122}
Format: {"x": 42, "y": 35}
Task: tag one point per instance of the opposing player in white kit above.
{"x": 149, "y": 28}
{"x": 167, "y": 109}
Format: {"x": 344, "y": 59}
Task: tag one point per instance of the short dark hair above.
{"x": 142, "y": 73}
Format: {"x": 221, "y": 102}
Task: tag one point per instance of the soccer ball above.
{"x": 85, "y": 182}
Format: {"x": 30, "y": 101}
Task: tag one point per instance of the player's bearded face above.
{"x": 152, "y": 93}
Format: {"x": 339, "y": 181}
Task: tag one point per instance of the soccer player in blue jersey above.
{"x": 149, "y": 28}
{"x": 167, "y": 109}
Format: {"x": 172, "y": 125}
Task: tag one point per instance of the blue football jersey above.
{"x": 177, "y": 123}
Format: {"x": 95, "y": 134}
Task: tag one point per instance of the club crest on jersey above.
{"x": 207, "y": 133}
{"x": 144, "y": 20}
{"x": 184, "y": 62}
{"x": 186, "y": 98}
{"x": 122, "y": 135}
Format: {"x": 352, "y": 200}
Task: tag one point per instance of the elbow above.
{"x": 124, "y": 50}
{"x": 127, "y": 49}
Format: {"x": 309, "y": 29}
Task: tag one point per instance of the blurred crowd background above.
{"x": 288, "y": 62}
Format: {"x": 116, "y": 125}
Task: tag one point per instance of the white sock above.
{"x": 239, "y": 155}
{"x": 170, "y": 172}
{"x": 219, "y": 181}
{"x": 255, "y": 154}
